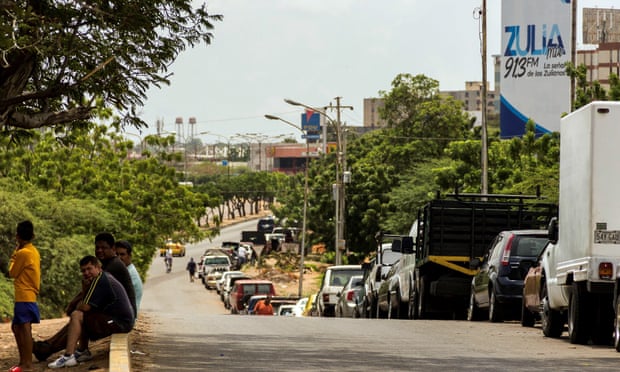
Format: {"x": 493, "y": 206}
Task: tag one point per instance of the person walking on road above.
{"x": 191, "y": 267}
{"x": 25, "y": 269}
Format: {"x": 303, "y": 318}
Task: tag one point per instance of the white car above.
{"x": 300, "y": 306}
{"x": 334, "y": 280}
{"x": 219, "y": 284}
{"x": 286, "y": 310}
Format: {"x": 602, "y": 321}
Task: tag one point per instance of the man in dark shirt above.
{"x": 105, "y": 309}
{"x": 105, "y": 252}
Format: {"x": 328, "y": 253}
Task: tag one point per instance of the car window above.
{"x": 264, "y": 288}
{"x": 528, "y": 246}
{"x": 389, "y": 257}
{"x": 341, "y": 277}
{"x": 494, "y": 251}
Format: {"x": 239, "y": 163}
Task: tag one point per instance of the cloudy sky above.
{"x": 312, "y": 51}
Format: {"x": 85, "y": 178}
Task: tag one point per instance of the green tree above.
{"x": 59, "y": 56}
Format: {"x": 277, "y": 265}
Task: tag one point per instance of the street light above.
{"x": 303, "y": 227}
{"x": 342, "y": 175}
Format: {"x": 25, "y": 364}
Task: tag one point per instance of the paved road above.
{"x": 194, "y": 333}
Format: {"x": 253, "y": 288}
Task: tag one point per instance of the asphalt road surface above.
{"x": 193, "y": 332}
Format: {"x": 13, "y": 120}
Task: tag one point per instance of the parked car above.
{"x": 388, "y": 295}
{"x": 276, "y": 303}
{"x": 532, "y": 303}
{"x": 227, "y": 288}
{"x": 177, "y": 248}
{"x": 242, "y": 290}
{"x": 286, "y": 310}
{"x": 333, "y": 281}
{"x": 300, "y": 306}
{"x": 213, "y": 251}
{"x": 219, "y": 284}
{"x": 498, "y": 285}
{"x": 348, "y": 298}
{"x": 377, "y": 269}
{"x": 212, "y": 269}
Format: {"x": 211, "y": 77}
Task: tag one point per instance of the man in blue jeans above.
{"x": 105, "y": 309}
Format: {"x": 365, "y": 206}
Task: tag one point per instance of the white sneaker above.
{"x": 64, "y": 361}
{"x": 83, "y": 356}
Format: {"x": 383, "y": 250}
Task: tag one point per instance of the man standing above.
{"x": 241, "y": 253}
{"x": 25, "y": 269}
{"x": 124, "y": 251}
{"x": 105, "y": 309}
{"x": 264, "y": 307}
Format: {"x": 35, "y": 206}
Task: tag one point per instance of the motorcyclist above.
{"x": 168, "y": 260}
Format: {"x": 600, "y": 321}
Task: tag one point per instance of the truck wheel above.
{"x": 473, "y": 311}
{"x": 617, "y": 325}
{"x": 495, "y": 310}
{"x": 403, "y": 308}
{"x": 552, "y": 322}
{"x": 578, "y": 324}
{"x": 373, "y": 309}
{"x": 527, "y": 318}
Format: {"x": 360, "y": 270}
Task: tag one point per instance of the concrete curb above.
{"x": 119, "y": 353}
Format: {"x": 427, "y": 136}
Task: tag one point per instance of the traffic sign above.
{"x": 311, "y": 136}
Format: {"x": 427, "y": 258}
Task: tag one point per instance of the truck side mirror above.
{"x": 396, "y": 245}
{"x": 553, "y": 230}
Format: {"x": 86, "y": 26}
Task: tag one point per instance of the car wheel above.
{"x": 551, "y": 320}
{"x": 494, "y": 308}
{"x": 527, "y": 318}
{"x": 413, "y": 304}
{"x": 578, "y": 320}
{"x": 473, "y": 311}
{"x": 421, "y": 297}
{"x": 373, "y": 308}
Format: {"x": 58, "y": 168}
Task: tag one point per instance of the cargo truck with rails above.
{"x": 579, "y": 282}
{"x": 451, "y": 232}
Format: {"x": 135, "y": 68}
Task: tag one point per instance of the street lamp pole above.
{"x": 303, "y": 227}
{"x": 342, "y": 176}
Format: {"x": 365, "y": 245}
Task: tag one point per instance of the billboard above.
{"x": 311, "y": 124}
{"x": 536, "y": 37}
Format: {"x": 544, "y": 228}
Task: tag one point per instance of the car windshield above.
{"x": 216, "y": 261}
{"x": 389, "y": 257}
{"x": 340, "y": 277}
{"x": 528, "y": 246}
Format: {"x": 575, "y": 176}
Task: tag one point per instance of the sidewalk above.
{"x": 120, "y": 360}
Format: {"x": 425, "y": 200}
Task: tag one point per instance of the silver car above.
{"x": 349, "y": 298}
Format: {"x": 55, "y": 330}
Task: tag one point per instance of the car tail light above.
{"x": 326, "y": 297}
{"x": 605, "y": 270}
{"x": 506, "y": 256}
{"x": 350, "y": 295}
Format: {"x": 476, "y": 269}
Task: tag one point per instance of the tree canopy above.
{"x": 59, "y": 57}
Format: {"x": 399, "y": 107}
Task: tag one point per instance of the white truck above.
{"x": 580, "y": 264}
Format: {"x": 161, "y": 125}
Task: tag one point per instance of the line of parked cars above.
{"x": 505, "y": 286}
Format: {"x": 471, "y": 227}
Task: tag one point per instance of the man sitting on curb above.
{"x": 105, "y": 309}
{"x": 111, "y": 263}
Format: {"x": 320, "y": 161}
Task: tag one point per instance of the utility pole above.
{"x": 484, "y": 152}
{"x": 343, "y": 176}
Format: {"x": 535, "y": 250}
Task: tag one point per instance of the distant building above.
{"x": 371, "y": 113}
{"x": 471, "y": 97}
{"x": 601, "y": 60}
{"x": 601, "y": 26}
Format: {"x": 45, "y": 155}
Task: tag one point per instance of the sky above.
{"x": 312, "y": 51}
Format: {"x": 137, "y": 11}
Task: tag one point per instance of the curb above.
{"x": 119, "y": 353}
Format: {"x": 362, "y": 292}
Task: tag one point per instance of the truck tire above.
{"x": 403, "y": 308}
{"x": 552, "y": 322}
{"x": 495, "y": 308}
{"x": 473, "y": 311}
{"x": 527, "y": 318}
{"x": 578, "y": 319}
